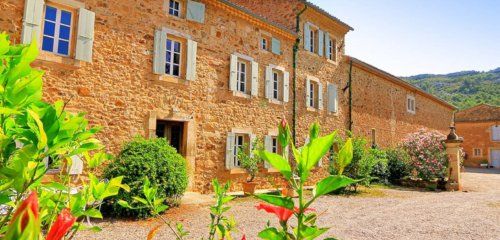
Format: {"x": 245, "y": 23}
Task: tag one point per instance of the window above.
{"x": 477, "y": 152}
{"x": 57, "y": 30}
{"x": 241, "y": 79}
{"x": 410, "y": 104}
{"x": 174, "y": 8}
{"x": 239, "y": 143}
{"x": 274, "y": 145}
{"x": 495, "y": 133}
{"x": 332, "y": 50}
{"x": 312, "y": 40}
{"x": 314, "y": 93}
{"x": 264, "y": 44}
{"x": 277, "y": 82}
{"x": 173, "y": 62}
{"x": 312, "y": 96}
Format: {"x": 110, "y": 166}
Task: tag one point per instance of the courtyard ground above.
{"x": 375, "y": 213}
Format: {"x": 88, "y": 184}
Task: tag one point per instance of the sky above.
{"x": 409, "y": 37}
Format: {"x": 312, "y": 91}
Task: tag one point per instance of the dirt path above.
{"x": 377, "y": 213}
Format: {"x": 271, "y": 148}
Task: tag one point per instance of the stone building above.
{"x": 212, "y": 75}
{"x": 480, "y": 128}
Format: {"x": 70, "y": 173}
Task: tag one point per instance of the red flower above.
{"x": 29, "y": 204}
{"x": 244, "y": 237}
{"x": 283, "y": 213}
{"x": 61, "y": 226}
{"x": 283, "y": 123}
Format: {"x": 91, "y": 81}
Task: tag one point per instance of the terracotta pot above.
{"x": 249, "y": 188}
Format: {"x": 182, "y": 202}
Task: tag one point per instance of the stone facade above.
{"x": 120, "y": 91}
{"x": 477, "y": 126}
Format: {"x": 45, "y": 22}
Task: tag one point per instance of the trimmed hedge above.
{"x": 154, "y": 159}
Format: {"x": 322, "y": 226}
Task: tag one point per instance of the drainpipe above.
{"x": 350, "y": 96}
{"x": 294, "y": 83}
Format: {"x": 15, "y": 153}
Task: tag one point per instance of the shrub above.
{"x": 398, "y": 164}
{"x": 427, "y": 154}
{"x": 359, "y": 153}
{"x": 154, "y": 159}
{"x": 379, "y": 170}
{"x": 249, "y": 161}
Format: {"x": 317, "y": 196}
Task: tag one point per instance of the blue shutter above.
{"x": 195, "y": 11}
{"x": 276, "y": 46}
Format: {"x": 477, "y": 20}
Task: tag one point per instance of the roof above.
{"x": 324, "y": 12}
{"x": 397, "y": 81}
{"x": 257, "y": 16}
{"x": 480, "y": 113}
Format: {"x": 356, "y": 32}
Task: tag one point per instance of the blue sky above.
{"x": 407, "y": 37}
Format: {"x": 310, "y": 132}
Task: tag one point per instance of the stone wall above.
{"x": 477, "y": 135}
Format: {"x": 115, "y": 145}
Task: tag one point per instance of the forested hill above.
{"x": 462, "y": 89}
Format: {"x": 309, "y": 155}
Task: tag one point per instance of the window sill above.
{"x": 410, "y": 112}
{"x": 335, "y": 114}
{"x": 242, "y": 95}
{"x": 50, "y": 59}
{"x": 312, "y": 109}
{"x": 237, "y": 170}
{"x": 332, "y": 62}
{"x": 172, "y": 79}
{"x": 271, "y": 170}
{"x": 275, "y": 101}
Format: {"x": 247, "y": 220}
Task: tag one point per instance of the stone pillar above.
{"x": 453, "y": 144}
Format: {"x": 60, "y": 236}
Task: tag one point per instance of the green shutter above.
{"x": 195, "y": 11}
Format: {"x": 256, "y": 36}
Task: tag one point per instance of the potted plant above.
{"x": 250, "y": 163}
{"x": 484, "y": 163}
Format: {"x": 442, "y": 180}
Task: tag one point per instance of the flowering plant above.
{"x": 296, "y": 174}
{"x": 427, "y": 154}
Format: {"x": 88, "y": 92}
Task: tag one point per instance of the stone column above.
{"x": 453, "y": 144}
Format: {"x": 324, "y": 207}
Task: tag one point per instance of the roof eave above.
{"x": 324, "y": 12}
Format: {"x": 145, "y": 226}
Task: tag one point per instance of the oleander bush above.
{"x": 427, "y": 154}
{"x": 153, "y": 159}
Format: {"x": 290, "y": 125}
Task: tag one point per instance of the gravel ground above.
{"x": 377, "y": 213}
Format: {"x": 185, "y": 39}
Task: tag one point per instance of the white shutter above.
{"x": 192, "y": 48}
{"x": 268, "y": 145}
{"x": 233, "y": 72}
{"x": 321, "y": 43}
{"x": 255, "y": 79}
{"x": 495, "y": 133}
{"x": 32, "y": 21}
{"x": 160, "y": 52}
{"x": 195, "y": 11}
{"x": 276, "y": 46}
{"x": 320, "y": 96}
{"x": 328, "y": 54}
{"x": 307, "y": 37}
{"x": 230, "y": 150}
{"x": 269, "y": 82}
{"x": 332, "y": 98}
{"x": 308, "y": 93}
{"x": 286, "y": 86}
{"x": 85, "y": 38}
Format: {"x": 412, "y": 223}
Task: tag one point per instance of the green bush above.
{"x": 359, "y": 153}
{"x": 378, "y": 161}
{"x": 398, "y": 164}
{"x": 154, "y": 159}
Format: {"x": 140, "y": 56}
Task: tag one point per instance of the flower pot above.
{"x": 249, "y": 188}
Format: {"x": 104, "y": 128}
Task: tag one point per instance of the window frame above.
{"x": 170, "y": 72}
{"x": 411, "y": 104}
{"x": 57, "y": 24}
{"x": 244, "y": 140}
{"x": 277, "y": 84}
{"x": 179, "y": 10}
{"x": 313, "y": 32}
{"x": 264, "y": 44}
{"x": 477, "y": 152}
{"x": 239, "y": 73}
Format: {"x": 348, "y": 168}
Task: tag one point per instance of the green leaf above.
{"x": 314, "y": 131}
{"x": 331, "y": 183}
{"x": 345, "y": 156}
{"x": 277, "y": 162}
{"x": 312, "y": 153}
{"x": 281, "y": 201}
{"x": 271, "y": 234}
{"x": 42, "y": 137}
{"x": 310, "y": 233}
{"x": 124, "y": 204}
{"x": 93, "y": 213}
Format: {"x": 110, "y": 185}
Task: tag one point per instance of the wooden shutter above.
{"x": 233, "y": 72}
{"x": 332, "y": 98}
{"x": 192, "y": 48}
{"x": 230, "y": 150}
{"x": 276, "y": 46}
{"x": 268, "y": 146}
{"x": 269, "y": 82}
{"x": 160, "y": 52}
{"x": 286, "y": 86}
{"x": 320, "y": 96}
{"x": 255, "y": 79}
{"x": 308, "y": 93}
{"x": 195, "y": 11}
{"x": 307, "y": 37}
{"x": 85, "y": 38}
{"x": 328, "y": 54}
{"x": 321, "y": 42}
{"x": 32, "y": 21}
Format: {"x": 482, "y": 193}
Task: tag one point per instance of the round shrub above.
{"x": 154, "y": 159}
{"x": 398, "y": 164}
{"x": 427, "y": 154}
{"x": 379, "y": 170}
